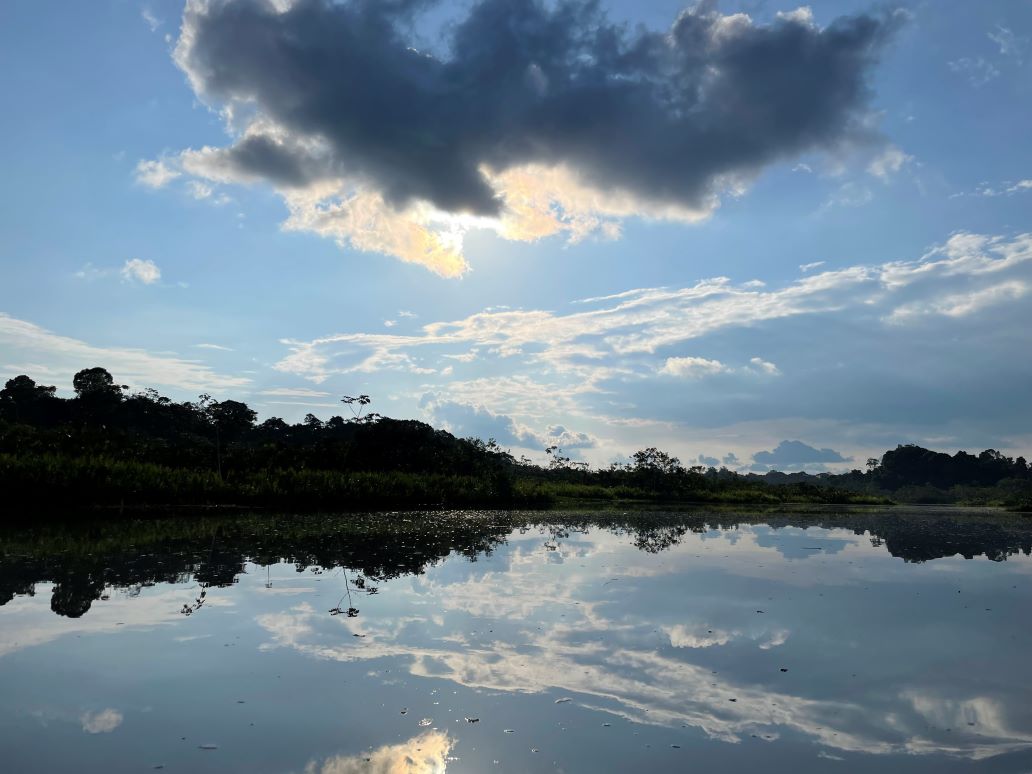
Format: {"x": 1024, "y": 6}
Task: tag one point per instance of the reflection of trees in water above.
{"x": 82, "y": 561}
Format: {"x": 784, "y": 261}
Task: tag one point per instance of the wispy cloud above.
{"x": 294, "y": 392}
{"x": 151, "y": 20}
{"x": 1007, "y": 188}
{"x": 1009, "y": 44}
{"x": 645, "y": 320}
{"x": 976, "y": 70}
{"x": 538, "y": 367}
{"x": 55, "y": 357}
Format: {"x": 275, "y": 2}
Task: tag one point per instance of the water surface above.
{"x": 824, "y": 641}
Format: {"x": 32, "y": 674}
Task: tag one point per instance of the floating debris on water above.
{"x": 425, "y": 722}
{"x": 563, "y": 700}
{"x": 207, "y": 747}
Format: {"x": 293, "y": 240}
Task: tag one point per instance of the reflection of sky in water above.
{"x": 668, "y": 657}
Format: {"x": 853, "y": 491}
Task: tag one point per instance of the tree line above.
{"x": 151, "y": 446}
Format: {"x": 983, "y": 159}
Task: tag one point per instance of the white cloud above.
{"x": 139, "y": 270}
{"x": 102, "y": 722}
{"x": 59, "y": 357}
{"x": 693, "y": 367}
{"x": 587, "y": 346}
{"x": 850, "y": 194}
{"x": 765, "y": 366}
{"x": 218, "y": 347}
{"x": 1010, "y": 45}
{"x": 963, "y": 304}
{"x": 155, "y": 174}
{"x": 888, "y": 163}
{"x": 152, "y": 21}
{"x": 594, "y": 367}
{"x": 977, "y": 70}
{"x": 199, "y": 190}
{"x": 1008, "y": 188}
{"x": 805, "y": 267}
{"x": 294, "y": 392}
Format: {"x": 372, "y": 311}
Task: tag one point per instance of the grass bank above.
{"x": 44, "y": 481}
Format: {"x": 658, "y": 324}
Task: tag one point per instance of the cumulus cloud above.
{"x": 764, "y": 366}
{"x": 102, "y": 722}
{"x": 532, "y": 119}
{"x": 570, "y": 439}
{"x": 468, "y": 420}
{"x": 139, "y": 270}
{"x": 795, "y": 454}
{"x": 692, "y": 367}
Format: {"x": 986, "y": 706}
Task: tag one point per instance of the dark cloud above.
{"x": 570, "y": 439}
{"x": 795, "y": 454}
{"x": 710, "y": 462}
{"x": 671, "y": 116}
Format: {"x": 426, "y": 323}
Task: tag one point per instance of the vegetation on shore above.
{"x": 105, "y": 447}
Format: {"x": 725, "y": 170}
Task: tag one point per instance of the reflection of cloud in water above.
{"x": 682, "y": 636}
{"x": 611, "y": 662}
{"x": 103, "y": 722}
{"x": 796, "y": 543}
{"x": 424, "y": 754}
{"x": 27, "y": 624}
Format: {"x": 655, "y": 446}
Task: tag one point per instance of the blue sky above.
{"x": 849, "y": 288}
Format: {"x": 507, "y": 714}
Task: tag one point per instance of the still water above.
{"x": 846, "y": 641}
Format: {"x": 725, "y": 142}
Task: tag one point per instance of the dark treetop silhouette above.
{"x": 107, "y": 446}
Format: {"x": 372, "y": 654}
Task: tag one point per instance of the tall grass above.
{"x": 34, "y": 481}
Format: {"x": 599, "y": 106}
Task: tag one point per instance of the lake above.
{"x": 842, "y": 641}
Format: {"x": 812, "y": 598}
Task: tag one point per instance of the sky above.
{"x": 747, "y": 233}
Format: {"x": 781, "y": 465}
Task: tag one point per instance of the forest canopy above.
{"x": 107, "y": 438}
